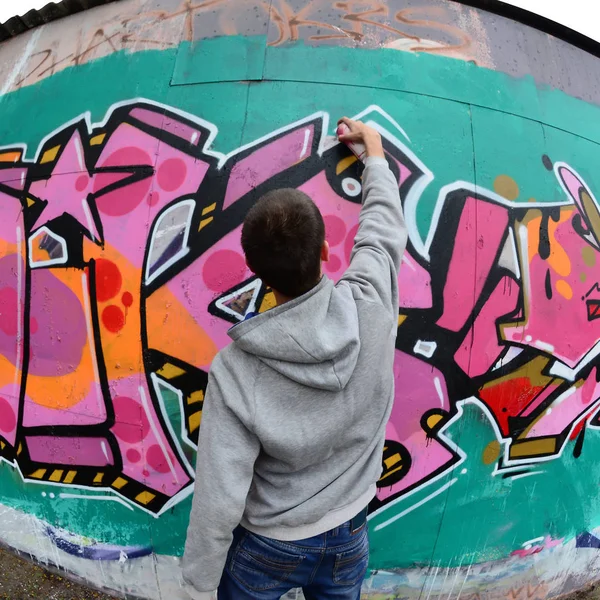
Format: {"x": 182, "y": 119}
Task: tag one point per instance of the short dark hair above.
{"x": 282, "y": 237}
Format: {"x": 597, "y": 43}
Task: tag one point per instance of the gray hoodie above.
{"x": 294, "y": 418}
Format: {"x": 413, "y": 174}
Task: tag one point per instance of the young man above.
{"x": 295, "y": 412}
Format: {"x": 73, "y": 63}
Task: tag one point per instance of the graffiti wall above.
{"x": 134, "y": 139}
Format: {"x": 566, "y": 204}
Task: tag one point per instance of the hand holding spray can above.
{"x": 359, "y": 150}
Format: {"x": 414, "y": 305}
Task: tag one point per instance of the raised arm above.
{"x": 381, "y": 238}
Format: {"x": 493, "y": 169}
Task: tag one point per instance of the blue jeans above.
{"x": 330, "y": 566}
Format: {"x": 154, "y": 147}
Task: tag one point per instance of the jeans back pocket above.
{"x": 351, "y": 565}
{"x": 261, "y": 564}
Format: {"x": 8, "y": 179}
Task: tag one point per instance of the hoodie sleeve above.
{"x": 381, "y": 237}
{"x": 227, "y": 451}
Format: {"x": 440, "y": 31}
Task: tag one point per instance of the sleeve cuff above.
{"x": 375, "y": 160}
{"x": 196, "y": 595}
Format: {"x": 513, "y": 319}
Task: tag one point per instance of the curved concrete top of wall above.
{"x": 52, "y": 11}
{"x": 495, "y": 35}
{"x": 479, "y": 35}
{"x": 538, "y": 21}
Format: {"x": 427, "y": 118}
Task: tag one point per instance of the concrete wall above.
{"x": 136, "y": 136}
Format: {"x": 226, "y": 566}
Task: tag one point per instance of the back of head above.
{"x": 282, "y": 238}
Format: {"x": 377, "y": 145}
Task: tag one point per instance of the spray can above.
{"x": 357, "y": 148}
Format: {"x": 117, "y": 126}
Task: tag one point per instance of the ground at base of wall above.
{"x": 23, "y": 580}
{"x": 590, "y": 593}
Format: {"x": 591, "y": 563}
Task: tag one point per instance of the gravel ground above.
{"x": 592, "y": 593}
{"x": 22, "y": 580}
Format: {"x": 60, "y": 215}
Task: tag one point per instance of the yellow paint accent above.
{"x": 208, "y": 209}
{"x": 491, "y": 452}
{"x": 533, "y": 370}
{"x": 344, "y": 164}
{"x": 564, "y": 289}
{"x": 582, "y": 277}
{"x": 56, "y": 475}
{"x": 591, "y": 211}
{"x": 10, "y": 156}
{"x": 50, "y": 155}
{"x": 195, "y": 397}
{"x": 30, "y": 201}
{"x": 38, "y": 474}
{"x": 97, "y": 139}
{"x": 204, "y": 223}
{"x": 433, "y": 420}
{"x": 391, "y": 472}
{"x": 145, "y": 497}
{"x": 98, "y": 478}
{"x": 119, "y": 482}
{"x": 70, "y": 476}
{"x": 506, "y": 186}
{"x": 532, "y": 221}
{"x": 19, "y": 449}
{"x": 401, "y": 319}
{"x": 169, "y": 371}
{"x": 2, "y": 445}
{"x": 391, "y": 461}
{"x": 268, "y": 302}
{"x": 589, "y": 256}
{"x": 194, "y": 421}
{"x": 544, "y": 446}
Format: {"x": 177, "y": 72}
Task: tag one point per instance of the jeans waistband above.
{"x": 359, "y": 520}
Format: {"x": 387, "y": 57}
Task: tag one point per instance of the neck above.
{"x": 280, "y": 298}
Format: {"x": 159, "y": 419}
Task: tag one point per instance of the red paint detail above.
{"x": 223, "y": 270}
{"x": 133, "y": 455}
{"x": 523, "y": 553}
{"x": 513, "y": 395}
{"x": 349, "y": 243}
{"x": 545, "y": 545}
{"x": 8, "y": 419}
{"x": 146, "y": 473}
{"x": 334, "y": 264}
{"x": 171, "y": 174}
{"x": 9, "y": 300}
{"x": 113, "y": 318}
{"x": 153, "y": 198}
{"x": 108, "y": 280}
{"x": 127, "y": 299}
{"x": 131, "y": 423}
{"x": 335, "y": 229}
{"x": 33, "y": 325}
{"x": 82, "y": 182}
{"x": 577, "y": 429}
{"x": 156, "y": 459}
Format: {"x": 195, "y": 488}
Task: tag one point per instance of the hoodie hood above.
{"x": 312, "y": 339}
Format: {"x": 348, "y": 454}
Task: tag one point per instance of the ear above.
{"x": 325, "y": 251}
